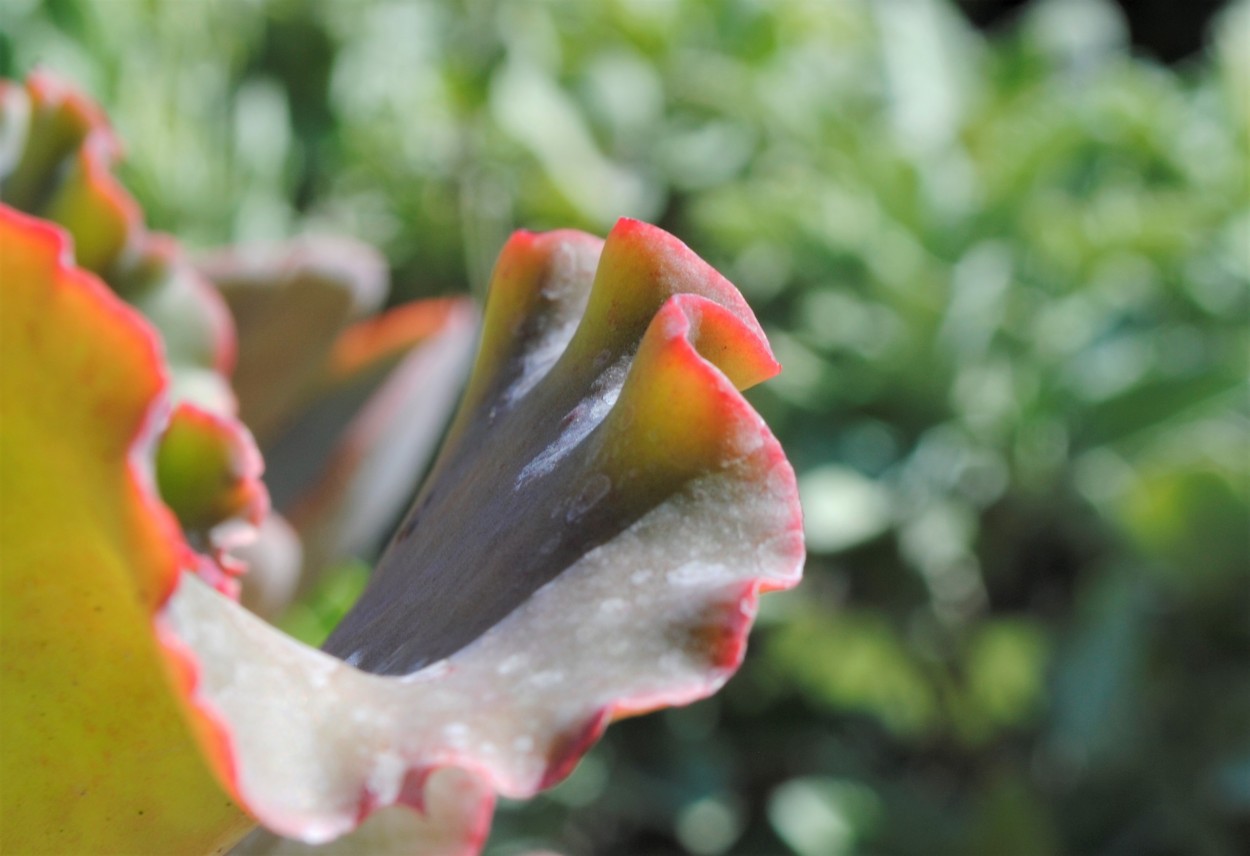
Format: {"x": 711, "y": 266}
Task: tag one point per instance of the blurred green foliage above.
{"x": 1010, "y": 285}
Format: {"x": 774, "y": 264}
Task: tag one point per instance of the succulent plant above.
{"x": 590, "y": 542}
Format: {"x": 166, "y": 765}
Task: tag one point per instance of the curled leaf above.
{"x": 289, "y": 301}
{"x": 59, "y": 169}
{"x": 591, "y": 544}
{"x": 63, "y": 150}
{"x": 55, "y": 163}
{"x": 349, "y": 411}
{"x": 534, "y": 443}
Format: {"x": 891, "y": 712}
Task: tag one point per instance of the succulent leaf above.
{"x": 58, "y": 153}
{"x": 62, "y": 151}
{"x": 59, "y": 169}
{"x": 534, "y": 441}
{"x": 616, "y": 532}
{"x": 208, "y": 471}
{"x": 98, "y": 756}
{"x": 454, "y": 819}
{"x": 349, "y": 410}
{"x": 590, "y": 544}
{"x": 289, "y": 302}
{"x": 408, "y": 365}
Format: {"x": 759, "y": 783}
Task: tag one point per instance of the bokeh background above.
{"x": 1003, "y": 252}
